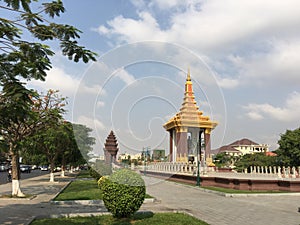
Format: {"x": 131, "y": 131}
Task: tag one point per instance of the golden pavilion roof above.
{"x": 189, "y": 114}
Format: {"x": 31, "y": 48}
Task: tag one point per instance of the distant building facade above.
{"x": 242, "y": 147}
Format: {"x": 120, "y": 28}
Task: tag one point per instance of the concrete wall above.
{"x": 234, "y": 183}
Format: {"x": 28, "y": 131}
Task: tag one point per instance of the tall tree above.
{"x": 24, "y": 59}
{"x": 51, "y": 141}
{"x": 20, "y": 120}
{"x": 17, "y": 121}
{"x": 83, "y": 139}
{"x": 289, "y": 148}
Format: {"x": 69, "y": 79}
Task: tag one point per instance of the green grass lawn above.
{"x": 138, "y": 219}
{"x": 80, "y": 190}
{"x": 234, "y": 191}
{"x": 84, "y": 174}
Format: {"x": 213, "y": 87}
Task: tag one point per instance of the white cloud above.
{"x": 280, "y": 65}
{"x": 168, "y": 4}
{"x": 216, "y": 24}
{"x": 100, "y": 104}
{"x": 129, "y": 30}
{"x": 58, "y": 79}
{"x": 263, "y": 37}
{"x": 227, "y": 83}
{"x": 90, "y": 122}
{"x": 125, "y": 76}
{"x": 289, "y": 113}
{"x": 68, "y": 85}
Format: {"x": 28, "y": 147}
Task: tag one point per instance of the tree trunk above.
{"x": 51, "y": 177}
{"x": 15, "y": 171}
{"x": 52, "y": 171}
{"x": 63, "y": 162}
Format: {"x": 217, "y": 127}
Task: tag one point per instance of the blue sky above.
{"x": 243, "y": 56}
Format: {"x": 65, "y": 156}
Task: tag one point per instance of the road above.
{"x": 34, "y": 173}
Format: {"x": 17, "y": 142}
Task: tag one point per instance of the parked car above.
{"x": 33, "y": 167}
{"x": 44, "y": 168}
{"x": 3, "y": 167}
{"x": 25, "y": 168}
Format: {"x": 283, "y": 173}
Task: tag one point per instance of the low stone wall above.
{"x": 233, "y": 183}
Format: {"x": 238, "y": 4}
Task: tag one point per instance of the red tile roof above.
{"x": 230, "y": 147}
{"x": 243, "y": 141}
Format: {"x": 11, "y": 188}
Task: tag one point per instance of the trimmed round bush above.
{"x": 123, "y": 192}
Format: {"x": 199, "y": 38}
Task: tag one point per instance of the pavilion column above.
{"x": 171, "y": 146}
{"x": 181, "y": 145}
{"x": 207, "y": 143}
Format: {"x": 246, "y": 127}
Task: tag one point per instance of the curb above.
{"x": 231, "y": 195}
{"x": 91, "y": 202}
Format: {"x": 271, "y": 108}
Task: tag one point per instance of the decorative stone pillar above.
{"x": 293, "y": 172}
{"x": 270, "y": 170}
{"x": 279, "y": 172}
{"x": 274, "y": 169}
{"x": 288, "y": 172}
{"x": 284, "y": 171}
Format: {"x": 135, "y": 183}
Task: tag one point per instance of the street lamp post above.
{"x": 145, "y": 158}
{"x": 144, "y": 161}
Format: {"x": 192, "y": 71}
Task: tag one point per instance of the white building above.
{"x": 242, "y": 147}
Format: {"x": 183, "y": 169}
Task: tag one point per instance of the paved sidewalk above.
{"x": 23, "y": 211}
{"x": 210, "y": 207}
{"x": 219, "y": 210}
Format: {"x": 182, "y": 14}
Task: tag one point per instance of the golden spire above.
{"x": 188, "y": 78}
{"x": 189, "y": 114}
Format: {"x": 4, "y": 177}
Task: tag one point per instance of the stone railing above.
{"x": 281, "y": 172}
{"x": 255, "y": 171}
{"x": 183, "y": 168}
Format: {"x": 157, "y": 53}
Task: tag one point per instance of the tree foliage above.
{"x": 83, "y": 139}
{"x": 25, "y": 28}
{"x": 256, "y": 159}
{"x": 224, "y": 160}
{"x": 30, "y": 59}
{"x": 289, "y": 148}
{"x": 49, "y": 134}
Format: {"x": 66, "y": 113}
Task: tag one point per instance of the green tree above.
{"x": 223, "y": 160}
{"x": 78, "y": 145}
{"x": 17, "y": 121}
{"x": 25, "y": 56}
{"x": 256, "y": 159}
{"x": 20, "y": 120}
{"x": 83, "y": 139}
{"x": 51, "y": 137}
{"x": 289, "y": 148}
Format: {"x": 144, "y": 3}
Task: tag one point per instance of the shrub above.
{"x": 93, "y": 173}
{"x": 123, "y": 192}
